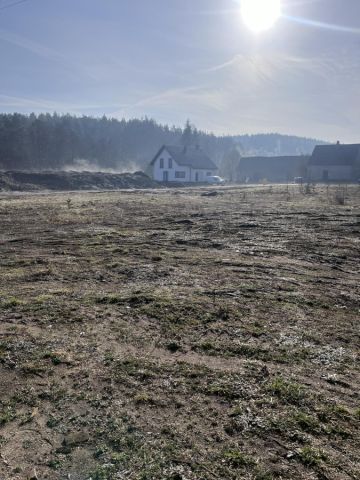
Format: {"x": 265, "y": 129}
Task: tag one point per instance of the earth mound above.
{"x": 30, "y": 181}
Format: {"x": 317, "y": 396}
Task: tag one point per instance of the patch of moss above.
{"x": 311, "y": 456}
{"x": 238, "y": 459}
{"x": 288, "y": 392}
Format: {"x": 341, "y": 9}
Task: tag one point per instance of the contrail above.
{"x": 13, "y": 4}
{"x": 323, "y": 25}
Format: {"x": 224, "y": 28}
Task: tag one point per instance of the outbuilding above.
{"x": 334, "y": 163}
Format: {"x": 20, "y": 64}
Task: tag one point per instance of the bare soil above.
{"x": 58, "y": 181}
{"x": 174, "y": 335}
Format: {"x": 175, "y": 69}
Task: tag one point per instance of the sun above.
{"x": 259, "y": 15}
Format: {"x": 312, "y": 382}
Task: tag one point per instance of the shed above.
{"x": 334, "y": 163}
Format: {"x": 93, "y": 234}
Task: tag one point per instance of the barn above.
{"x": 272, "y": 169}
{"x": 334, "y": 163}
{"x": 182, "y": 165}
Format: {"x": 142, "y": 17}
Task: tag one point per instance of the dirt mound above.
{"x": 29, "y": 181}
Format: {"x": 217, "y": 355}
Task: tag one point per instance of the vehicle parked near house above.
{"x": 215, "y": 180}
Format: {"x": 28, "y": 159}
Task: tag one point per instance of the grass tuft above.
{"x": 288, "y": 392}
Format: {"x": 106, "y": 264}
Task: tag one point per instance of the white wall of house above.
{"x": 320, "y": 173}
{"x": 165, "y": 169}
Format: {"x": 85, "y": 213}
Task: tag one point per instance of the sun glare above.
{"x": 259, "y": 15}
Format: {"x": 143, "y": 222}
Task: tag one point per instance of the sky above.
{"x": 177, "y": 59}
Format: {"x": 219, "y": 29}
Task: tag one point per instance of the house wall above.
{"x": 341, "y": 173}
{"x": 273, "y": 169}
{"x": 190, "y": 173}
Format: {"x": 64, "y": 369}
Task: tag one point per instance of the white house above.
{"x": 334, "y": 163}
{"x": 182, "y": 164}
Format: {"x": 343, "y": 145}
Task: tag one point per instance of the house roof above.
{"x": 281, "y": 161}
{"x": 192, "y": 157}
{"x": 335, "y": 155}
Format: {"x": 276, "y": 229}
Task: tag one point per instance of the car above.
{"x": 215, "y": 180}
{"x": 299, "y": 180}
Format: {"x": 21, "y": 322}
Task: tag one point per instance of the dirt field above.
{"x": 170, "y": 335}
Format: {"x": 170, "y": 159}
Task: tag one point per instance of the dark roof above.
{"x": 335, "y": 155}
{"x": 192, "y": 157}
{"x": 282, "y": 160}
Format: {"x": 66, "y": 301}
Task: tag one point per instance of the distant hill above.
{"x": 276, "y": 144}
{"x": 58, "y": 142}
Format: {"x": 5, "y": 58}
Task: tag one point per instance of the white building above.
{"x": 182, "y": 164}
{"x": 334, "y": 163}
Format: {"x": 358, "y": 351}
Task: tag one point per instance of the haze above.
{"x": 171, "y": 60}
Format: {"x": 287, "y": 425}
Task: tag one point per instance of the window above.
{"x": 179, "y": 174}
{"x": 161, "y": 163}
{"x": 208, "y": 174}
{"x": 170, "y": 162}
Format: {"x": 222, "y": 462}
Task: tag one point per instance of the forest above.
{"x": 64, "y": 142}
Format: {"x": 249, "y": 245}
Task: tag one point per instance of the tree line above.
{"x": 54, "y": 142}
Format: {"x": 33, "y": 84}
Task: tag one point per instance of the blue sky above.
{"x": 178, "y": 59}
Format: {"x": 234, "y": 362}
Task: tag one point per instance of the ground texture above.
{"x": 179, "y": 335}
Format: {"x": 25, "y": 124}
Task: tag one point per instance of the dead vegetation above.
{"x": 171, "y": 335}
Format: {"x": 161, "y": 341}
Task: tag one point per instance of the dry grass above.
{"x": 169, "y": 335}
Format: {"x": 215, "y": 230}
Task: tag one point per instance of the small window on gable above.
{"x": 170, "y": 162}
{"x": 161, "y": 163}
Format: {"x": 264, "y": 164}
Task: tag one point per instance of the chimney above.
{"x": 338, "y": 142}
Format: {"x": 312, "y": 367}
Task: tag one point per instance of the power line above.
{"x": 13, "y": 4}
